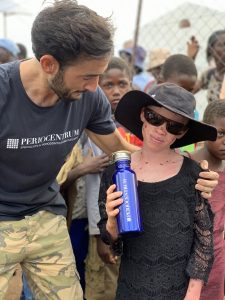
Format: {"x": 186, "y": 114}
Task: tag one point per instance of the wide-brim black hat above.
{"x": 173, "y": 98}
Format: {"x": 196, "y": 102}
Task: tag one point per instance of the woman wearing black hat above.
{"x": 173, "y": 257}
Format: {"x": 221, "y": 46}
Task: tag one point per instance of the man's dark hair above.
{"x": 69, "y": 31}
{"x": 119, "y": 63}
{"x": 214, "y": 110}
{"x": 178, "y": 64}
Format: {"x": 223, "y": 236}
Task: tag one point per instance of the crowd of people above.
{"x": 64, "y": 111}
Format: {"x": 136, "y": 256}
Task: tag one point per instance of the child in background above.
{"x": 72, "y": 179}
{"x": 212, "y": 79}
{"x": 181, "y": 70}
{"x": 102, "y": 268}
{"x": 156, "y": 59}
{"x": 115, "y": 83}
{"x": 135, "y": 57}
{"x": 214, "y": 153}
{"x": 173, "y": 257}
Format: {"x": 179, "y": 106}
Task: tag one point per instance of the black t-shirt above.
{"x": 34, "y": 142}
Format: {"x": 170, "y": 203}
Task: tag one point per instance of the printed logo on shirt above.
{"x": 12, "y": 143}
{"x": 42, "y": 141}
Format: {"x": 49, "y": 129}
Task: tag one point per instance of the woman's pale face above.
{"x": 157, "y": 137}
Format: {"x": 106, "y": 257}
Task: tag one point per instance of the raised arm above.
{"x": 192, "y": 47}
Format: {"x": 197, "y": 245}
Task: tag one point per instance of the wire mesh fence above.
{"x": 187, "y": 23}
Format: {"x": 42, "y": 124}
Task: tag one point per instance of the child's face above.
{"x": 217, "y": 148}
{"x": 218, "y": 49}
{"x": 115, "y": 83}
{"x": 185, "y": 81}
{"x": 158, "y": 137}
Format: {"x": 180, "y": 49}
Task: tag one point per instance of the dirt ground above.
{"x": 15, "y": 286}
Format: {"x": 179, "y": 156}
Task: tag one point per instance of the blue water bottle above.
{"x": 128, "y": 219}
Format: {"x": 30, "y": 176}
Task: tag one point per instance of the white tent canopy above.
{"x": 12, "y": 8}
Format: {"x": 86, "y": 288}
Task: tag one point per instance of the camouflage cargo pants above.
{"x": 101, "y": 278}
{"x": 41, "y": 244}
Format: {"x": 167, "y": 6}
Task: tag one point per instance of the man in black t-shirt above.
{"x": 45, "y": 104}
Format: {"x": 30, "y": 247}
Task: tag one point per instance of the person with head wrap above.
{"x": 8, "y": 51}
{"x": 135, "y": 57}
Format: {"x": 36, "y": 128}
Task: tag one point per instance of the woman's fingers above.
{"x": 112, "y": 207}
{"x": 113, "y": 201}
{"x": 111, "y": 189}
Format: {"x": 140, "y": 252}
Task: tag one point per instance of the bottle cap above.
{"x": 121, "y": 155}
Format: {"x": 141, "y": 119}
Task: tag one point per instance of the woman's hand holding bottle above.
{"x": 113, "y": 200}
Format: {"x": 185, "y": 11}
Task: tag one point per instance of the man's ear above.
{"x": 49, "y": 64}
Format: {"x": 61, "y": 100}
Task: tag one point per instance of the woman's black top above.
{"x": 177, "y": 242}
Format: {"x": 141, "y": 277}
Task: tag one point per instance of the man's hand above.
{"x": 104, "y": 252}
{"x": 208, "y": 180}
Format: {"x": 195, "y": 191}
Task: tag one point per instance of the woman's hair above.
{"x": 178, "y": 64}
{"x": 215, "y": 109}
{"x": 211, "y": 42}
{"x": 118, "y": 63}
{"x": 69, "y": 31}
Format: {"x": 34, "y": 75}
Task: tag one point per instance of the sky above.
{"x": 123, "y": 13}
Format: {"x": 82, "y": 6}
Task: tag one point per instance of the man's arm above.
{"x": 207, "y": 180}
{"x": 111, "y": 142}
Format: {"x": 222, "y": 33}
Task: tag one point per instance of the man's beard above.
{"x": 58, "y": 86}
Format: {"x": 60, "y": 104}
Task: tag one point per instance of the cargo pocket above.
{"x": 94, "y": 270}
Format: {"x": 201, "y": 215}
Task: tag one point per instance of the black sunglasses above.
{"x": 156, "y": 119}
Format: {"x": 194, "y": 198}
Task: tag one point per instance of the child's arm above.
{"x": 194, "y": 289}
{"x": 104, "y": 251}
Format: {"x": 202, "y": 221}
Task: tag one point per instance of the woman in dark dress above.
{"x": 172, "y": 258}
